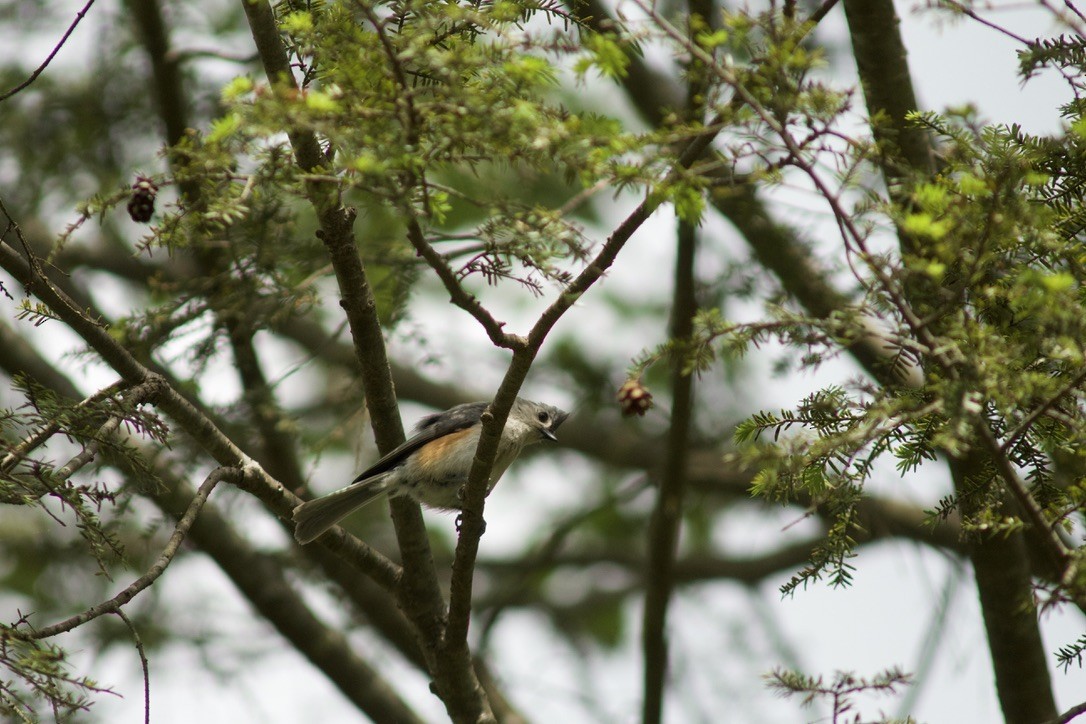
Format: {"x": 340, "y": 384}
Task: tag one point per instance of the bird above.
{"x": 433, "y": 465}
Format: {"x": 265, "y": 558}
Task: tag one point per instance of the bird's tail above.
{"x": 314, "y": 517}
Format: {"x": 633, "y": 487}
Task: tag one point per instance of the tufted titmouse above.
{"x": 434, "y": 464}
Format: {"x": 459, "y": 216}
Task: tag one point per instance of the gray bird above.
{"x": 433, "y": 464}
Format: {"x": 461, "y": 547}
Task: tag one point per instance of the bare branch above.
{"x": 1071, "y": 714}
{"x": 86, "y": 455}
{"x": 39, "y": 437}
{"x": 114, "y": 604}
{"x": 119, "y": 613}
{"x": 56, "y": 49}
{"x": 457, "y": 294}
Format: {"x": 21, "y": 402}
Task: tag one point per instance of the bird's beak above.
{"x": 559, "y": 418}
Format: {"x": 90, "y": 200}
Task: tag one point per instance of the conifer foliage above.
{"x": 219, "y": 235}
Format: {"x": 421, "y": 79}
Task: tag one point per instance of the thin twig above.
{"x": 143, "y": 664}
{"x": 41, "y": 68}
{"x": 1071, "y": 713}
{"x": 1035, "y": 413}
{"x": 78, "y": 461}
{"x": 113, "y": 605}
{"x": 822, "y": 11}
{"x": 40, "y": 436}
{"x": 583, "y": 196}
{"x": 184, "y": 54}
{"x": 1078, "y": 13}
{"x": 457, "y": 294}
{"x": 139, "y": 394}
{"x": 1057, "y": 549}
{"x": 970, "y": 13}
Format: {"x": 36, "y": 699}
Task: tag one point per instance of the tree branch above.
{"x": 259, "y": 576}
{"x": 114, "y": 605}
{"x": 493, "y": 421}
{"x": 1000, "y": 563}
{"x": 458, "y": 295}
{"x": 778, "y": 248}
{"x": 1071, "y": 714}
{"x": 261, "y": 580}
{"x": 41, "y": 436}
{"x": 171, "y": 401}
{"x": 56, "y": 49}
{"x": 419, "y": 593}
{"x": 144, "y": 664}
{"x": 665, "y": 521}
{"x": 278, "y": 449}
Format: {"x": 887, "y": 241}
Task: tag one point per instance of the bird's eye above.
{"x": 544, "y": 416}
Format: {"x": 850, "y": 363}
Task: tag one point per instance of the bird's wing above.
{"x": 429, "y": 429}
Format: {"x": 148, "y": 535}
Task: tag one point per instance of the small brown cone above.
{"x": 634, "y": 398}
{"x": 142, "y": 203}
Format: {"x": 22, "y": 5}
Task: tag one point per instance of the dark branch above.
{"x": 56, "y": 49}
